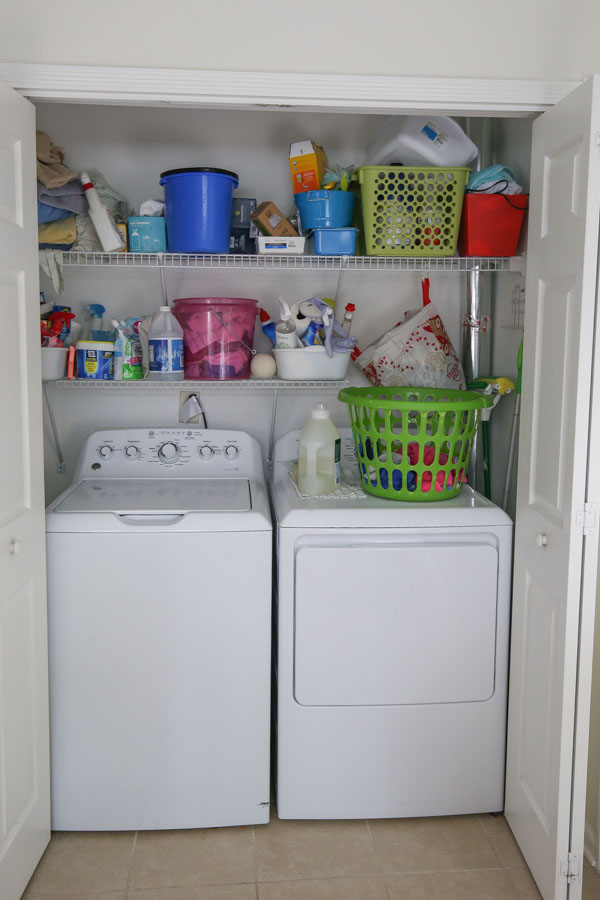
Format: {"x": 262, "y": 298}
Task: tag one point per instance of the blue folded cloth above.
{"x": 70, "y": 196}
{"x": 55, "y": 246}
{"x": 51, "y": 213}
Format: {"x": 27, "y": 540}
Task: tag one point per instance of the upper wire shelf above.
{"x": 247, "y": 384}
{"x": 262, "y": 262}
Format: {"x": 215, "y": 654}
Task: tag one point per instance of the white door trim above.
{"x": 259, "y": 90}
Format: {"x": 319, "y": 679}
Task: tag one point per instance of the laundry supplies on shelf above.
{"x": 165, "y": 347}
{"x": 218, "y": 336}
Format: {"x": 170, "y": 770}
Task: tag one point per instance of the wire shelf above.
{"x": 262, "y": 262}
{"x": 250, "y": 384}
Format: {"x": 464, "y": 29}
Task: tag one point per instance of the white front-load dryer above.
{"x": 393, "y": 624}
{"x": 159, "y": 616}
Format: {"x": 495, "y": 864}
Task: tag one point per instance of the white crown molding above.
{"x": 270, "y": 90}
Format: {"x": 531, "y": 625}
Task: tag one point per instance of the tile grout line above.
{"x": 256, "y": 860}
{"x": 130, "y": 868}
{"x": 379, "y": 863}
{"x": 489, "y": 840}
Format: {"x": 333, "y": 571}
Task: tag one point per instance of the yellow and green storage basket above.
{"x": 413, "y": 443}
{"x": 411, "y": 210}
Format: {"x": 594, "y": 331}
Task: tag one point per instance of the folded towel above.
{"x": 50, "y": 170}
{"x": 61, "y": 232}
{"x": 68, "y": 196}
{"x": 51, "y": 213}
{"x": 51, "y": 263}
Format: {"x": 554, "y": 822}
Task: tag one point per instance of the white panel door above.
{"x": 548, "y": 598}
{"x": 24, "y": 758}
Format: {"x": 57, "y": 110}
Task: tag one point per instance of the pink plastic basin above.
{"x": 218, "y": 334}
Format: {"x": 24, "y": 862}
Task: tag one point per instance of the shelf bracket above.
{"x": 161, "y": 266}
{"x": 60, "y": 467}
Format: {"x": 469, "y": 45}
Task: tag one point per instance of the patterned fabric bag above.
{"x": 415, "y": 353}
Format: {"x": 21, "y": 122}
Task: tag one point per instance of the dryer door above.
{"x": 388, "y": 622}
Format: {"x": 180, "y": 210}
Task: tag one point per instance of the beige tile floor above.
{"x": 451, "y": 858}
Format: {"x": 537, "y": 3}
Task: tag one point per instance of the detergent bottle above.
{"x": 165, "y": 347}
{"x": 319, "y": 454}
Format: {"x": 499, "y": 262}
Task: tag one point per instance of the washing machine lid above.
{"x": 152, "y": 496}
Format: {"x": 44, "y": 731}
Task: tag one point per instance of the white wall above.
{"x": 538, "y": 39}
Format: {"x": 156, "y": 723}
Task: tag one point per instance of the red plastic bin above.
{"x": 491, "y": 224}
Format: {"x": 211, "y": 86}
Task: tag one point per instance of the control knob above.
{"x": 231, "y": 451}
{"x": 206, "y": 451}
{"x": 132, "y": 452}
{"x": 105, "y": 451}
{"x": 168, "y": 451}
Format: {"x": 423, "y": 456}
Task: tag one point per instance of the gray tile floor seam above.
{"x": 373, "y": 845}
{"x": 483, "y": 829}
{"x": 130, "y": 869}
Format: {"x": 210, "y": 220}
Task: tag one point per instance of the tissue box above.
{"x": 147, "y": 234}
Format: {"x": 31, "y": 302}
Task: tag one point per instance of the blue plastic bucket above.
{"x": 325, "y": 209}
{"x": 335, "y": 241}
{"x": 198, "y": 209}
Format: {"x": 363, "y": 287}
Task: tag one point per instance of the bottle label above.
{"x": 337, "y": 462}
{"x": 165, "y": 354}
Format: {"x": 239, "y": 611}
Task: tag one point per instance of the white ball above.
{"x": 263, "y": 365}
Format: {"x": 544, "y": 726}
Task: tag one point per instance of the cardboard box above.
{"x": 270, "y": 221}
{"x": 308, "y": 162}
{"x": 147, "y": 234}
{"x": 272, "y": 244}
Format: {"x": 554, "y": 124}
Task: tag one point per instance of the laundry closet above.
{"x": 132, "y": 144}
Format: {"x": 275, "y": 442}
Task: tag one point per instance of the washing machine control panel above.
{"x": 165, "y": 452}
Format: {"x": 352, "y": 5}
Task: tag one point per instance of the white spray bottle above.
{"x": 107, "y": 231}
{"x": 286, "y": 337}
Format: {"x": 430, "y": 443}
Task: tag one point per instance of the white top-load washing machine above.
{"x": 393, "y": 626}
{"x": 159, "y": 600}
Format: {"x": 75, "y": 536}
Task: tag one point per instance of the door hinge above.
{"x": 587, "y": 519}
{"x": 571, "y": 869}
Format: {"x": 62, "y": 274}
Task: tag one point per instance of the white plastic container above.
{"x": 165, "y": 347}
{"x": 54, "y": 363}
{"x": 310, "y": 363}
{"x": 107, "y": 231}
{"x": 319, "y": 454}
{"x": 421, "y": 141}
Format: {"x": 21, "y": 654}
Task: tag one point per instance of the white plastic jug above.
{"x": 165, "y": 347}
{"x": 421, "y": 141}
{"x": 319, "y": 454}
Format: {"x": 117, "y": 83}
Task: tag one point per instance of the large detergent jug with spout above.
{"x": 319, "y": 454}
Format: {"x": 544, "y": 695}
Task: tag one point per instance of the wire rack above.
{"x": 249, "y": 384}
{"x": 262, "y": 262}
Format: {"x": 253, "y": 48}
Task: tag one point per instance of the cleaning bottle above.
{"x": 347, "y": 320}
{"x": 107, "y": 231}
{"x": 319, "y": 454}
{"x": 165, "y": 347}
{"x": 285, "y": 330}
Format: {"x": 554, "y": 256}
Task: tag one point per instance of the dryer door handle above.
{"x": 151, "y": 519}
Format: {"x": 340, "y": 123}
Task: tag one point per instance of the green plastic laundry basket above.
{"x": 411, "y": 210}
{"x": 413, "y": 443}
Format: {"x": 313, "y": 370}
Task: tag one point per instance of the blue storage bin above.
{"x": 325, "y": 209}
{"x": 335, "y": 241}
{"x": 198, "y": 209}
